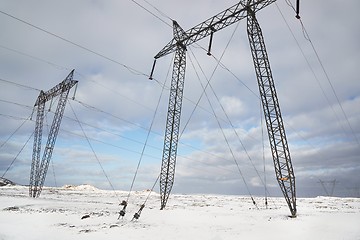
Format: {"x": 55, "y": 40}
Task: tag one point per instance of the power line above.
{"x": 208, "y": 82}
{"x": 230, "y": 149}
{"x": 13, "y": 117}
{"x": 182, "y": 143}
{"x": 223, "y": 133}
{"x": 114, "y": 90}
{"x": 82, "y": 75}
{"x": 151, "y": 156}
{"x": 111, "y": 132}
{"x": 159, "y": 11}
{"x": 72, "y": 133}
{"x": 17, "y": 155}
{"x": 147, "y": 10}
{"x": 313, "y": 73}
{"x": 93, "y": 151}
{"x": 330, "y": 83}
{"x": 17, "y": 104}
{"x": 147, "y": 138}
{"x": 109, "y": 114}
{"x": 164, "y": 85}
{"x": 130, "y": 139}
{"x": 127, "y": 121}
{"x": 145, "y": 144}
{"x": 35, "y": 58}
{"x": 222, "y": 130}
{"x": 307, "y": 37}
{"x": 41, "y": 29}
{"x": 43, "y": 61}
{"x": 106, "y": 143}
{"x": 130, "y": 69}
{"x": 129, "y": 150}
{"x": 218, "y": 100}
{"x": 109, "y": 144}
{"x": 16, "y": 130}
{"x": 19, "y": 85}
{"x": 263, "y": 152}
{"x": 88, "y": 138}
{"x": 191, "y": 159}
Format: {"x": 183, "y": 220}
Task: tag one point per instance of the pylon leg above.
{"x": 173, "y": 119}
{"x": 275, "y": 126}
{"x": 35, "y": 165}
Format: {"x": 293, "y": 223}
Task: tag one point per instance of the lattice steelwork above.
{"x": 173, "y": 117}
{"x": 39, "y": 168}
{"x": 214, "y": 24}
{"x": 275, "y": 126}
{"x": 278, "y": 142}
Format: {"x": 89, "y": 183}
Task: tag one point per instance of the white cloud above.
{"x": 232, "y": 106}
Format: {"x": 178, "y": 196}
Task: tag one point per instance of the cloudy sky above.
{"x": 111, "y": 45}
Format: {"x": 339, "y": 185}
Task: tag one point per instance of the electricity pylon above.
{"x": 276, "y": 132}
{"x": 329, "y": 194}
{"x": 39, "y": 168}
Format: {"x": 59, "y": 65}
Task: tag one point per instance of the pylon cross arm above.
{"x": 215, "y": 23}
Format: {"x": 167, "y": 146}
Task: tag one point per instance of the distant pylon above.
{"x": 39, "y": 168}
{"x": 331, "y": 183}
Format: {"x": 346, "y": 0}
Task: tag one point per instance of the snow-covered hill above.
{"x": 58, "y": 214}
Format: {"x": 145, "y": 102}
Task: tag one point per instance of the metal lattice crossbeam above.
{"x": 39, "y": 167}
{"x": 213, "y": 24}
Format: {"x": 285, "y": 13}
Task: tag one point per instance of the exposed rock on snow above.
{"x": 6, "y": 182}
{"x": 14, "y": 208}
{"x": 85, "y": 216}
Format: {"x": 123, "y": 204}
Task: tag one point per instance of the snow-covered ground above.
{"x": 58, "y": 213}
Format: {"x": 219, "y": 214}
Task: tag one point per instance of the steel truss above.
{"x": 214, "y": 24}
{"x": 279, "y": 147}
{"x": 173, "y": 117}
{"x": 39, "y": 168}
{"x": 275, "y": 126}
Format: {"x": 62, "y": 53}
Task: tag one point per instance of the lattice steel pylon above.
{"x": 280, "y": 151}
{"x": 39, "y": 168}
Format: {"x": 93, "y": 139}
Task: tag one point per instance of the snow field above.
{"x": 58, "y": 213}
